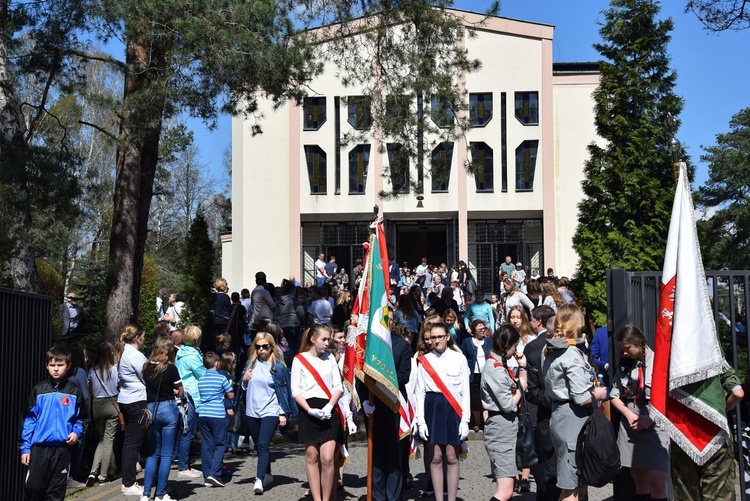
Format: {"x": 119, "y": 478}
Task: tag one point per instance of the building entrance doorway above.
{"x": 434, "y": 240}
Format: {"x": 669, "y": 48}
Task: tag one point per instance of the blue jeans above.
{"x": 319, "y": 281}
{"x": 162, "y": 435}
{"x": 188, "y": 434}
{"x": 261, "y": 430}
{"x": 213, "y": 445}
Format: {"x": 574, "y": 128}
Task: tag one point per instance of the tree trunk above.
{"x": 137, "y": 156}
{"x": 13, "y": 152}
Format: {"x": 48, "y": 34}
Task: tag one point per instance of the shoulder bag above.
{"x": 120, "y": 416}
{"x": 146, "y": 417}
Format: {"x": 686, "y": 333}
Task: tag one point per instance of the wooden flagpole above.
{"x": 369, "y": 450}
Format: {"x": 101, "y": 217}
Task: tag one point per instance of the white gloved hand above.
{"x": 424, "y": 433}
{"x": 368, "y": 408}
{"x": 463, "y": 431}
{"x": 327, "y": 408}
{"x": 318, "y": 414}
{"x": 415, "y": 427}
{"x": 352, "y": 426}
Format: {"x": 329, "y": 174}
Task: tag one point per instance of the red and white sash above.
{"x": 304, "y": 361}
{"x": 449, "y": 391}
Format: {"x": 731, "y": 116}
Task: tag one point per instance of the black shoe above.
{"x": 409, "y": 481}
{"x": 427, "y": 494}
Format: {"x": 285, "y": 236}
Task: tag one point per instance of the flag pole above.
{"x": 369, "y": 449}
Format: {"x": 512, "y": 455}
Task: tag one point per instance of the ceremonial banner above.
{"x": 686, "y": 390}
{"x": 378, "y": 361}
{"x": 354, "y": 352}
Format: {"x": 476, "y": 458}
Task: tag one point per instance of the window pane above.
{"x": 359, "y": 112}
{"x": 316, "y": 169}
{"x": 527, "y": 107}
{"x": 314, "y": 112}
{"x": 359, "y": 158}
{"x": 480, "y": 109}
{"x": 442, "y": 156}
{"x": 481, "y": 158}
{"x": 398, "y": 160}
{"x": 441, "y": 112}
{"x": 526, "y": 165}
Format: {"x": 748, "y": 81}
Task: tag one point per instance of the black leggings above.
{"x": 132, "y": 439}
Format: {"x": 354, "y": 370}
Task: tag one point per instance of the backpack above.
{"x": 597, "y": 454}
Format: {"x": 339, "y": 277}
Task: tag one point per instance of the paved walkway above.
{"x": 289, "y": 474}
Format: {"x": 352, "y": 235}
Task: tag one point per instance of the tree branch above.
{"x": 100, "y": 129}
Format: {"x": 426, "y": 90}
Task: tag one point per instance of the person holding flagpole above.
{"x": 317, "y": 387}
{"x": 443, "y": 407}
{"x": 693, "y": 386}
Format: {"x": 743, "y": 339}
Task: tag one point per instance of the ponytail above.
{"x": 128, "y": 336}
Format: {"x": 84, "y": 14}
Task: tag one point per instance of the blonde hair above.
{"x": 191, "y": 336}
{"x": 549, "y": 289}
{"x": 454, "y": 324}
{"x": 162, "y": 355}
{"x": 569, "y": 322}
{"x": 314, "y": 331}
{"x": 220, "y": 285}
{"x": 128, "y": 336}
{"x": 513, "y": 285}
{"x": 252, "y": 352}
{"x": 222, "y": 338}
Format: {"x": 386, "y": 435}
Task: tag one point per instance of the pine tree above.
{"x": 726, "y": 234}
{"x": 629, "y": 185}
{"x": 199, "y": 260}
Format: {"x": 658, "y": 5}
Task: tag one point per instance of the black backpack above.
{"x": 597, "y": 454}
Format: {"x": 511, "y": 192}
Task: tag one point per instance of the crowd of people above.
{"x": 273, "y": 356}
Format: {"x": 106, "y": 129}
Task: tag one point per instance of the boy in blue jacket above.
{"x": 51, "y": 426}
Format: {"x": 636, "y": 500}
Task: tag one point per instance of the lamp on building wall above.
{"x": 420, "y": 205}
{"x": 674, "y": 146}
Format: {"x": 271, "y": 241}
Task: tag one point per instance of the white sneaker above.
{"x": 258, "y": 487}
{"x": 165, "y": 497}
{"x": 267, "y": 480}
{"x": 144, "y": 498}
{"x": 133, "y": 490}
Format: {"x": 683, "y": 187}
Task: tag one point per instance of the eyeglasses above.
{"x": 262, "y": 346}
{"x": 435, "y": 339}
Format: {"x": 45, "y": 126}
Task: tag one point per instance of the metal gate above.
{"x": 633, "y": 298}
{"x": 26, "y": 327}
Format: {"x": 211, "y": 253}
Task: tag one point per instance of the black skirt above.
{"x": 475, "y": 392}
{"x": 315, "y": 431}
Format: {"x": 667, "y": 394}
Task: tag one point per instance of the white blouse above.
{"x": 304, "y": 383}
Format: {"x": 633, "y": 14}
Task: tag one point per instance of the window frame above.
{"x": 525, "y": 99}
{"x": 318, "y": 103}
{"x": 532, "y": 168}
{"x": 448, "y": 146}
{"x": 483, "y": 175}
{"x": 353, "y": 104}
{"x": 473, "y": 109}
{"x": 365, "y": 150}
{"x": 312, "y": 149}
{"x": 393, "y": 151}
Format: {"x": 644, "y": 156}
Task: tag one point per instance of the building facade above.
{"x": 297, "y": 192}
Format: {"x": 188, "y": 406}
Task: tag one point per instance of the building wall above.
{"x": 573, "y": 105}
{"x": 272, "y": 196}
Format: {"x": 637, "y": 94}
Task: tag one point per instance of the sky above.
{"x": 713, "y": 70}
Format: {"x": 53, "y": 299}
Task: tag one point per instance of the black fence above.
{"x": 25, "y": 336}
{"x": 633, "y": 298}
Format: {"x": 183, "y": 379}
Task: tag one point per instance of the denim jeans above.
{"x": 213, "y": 445}
{"x": 132, "y": 438}
{"x": 162, "y": 435}
{"x": 188, "y": 434}
{"x": 261, "y": 430}
{"x": 319, "y": 281}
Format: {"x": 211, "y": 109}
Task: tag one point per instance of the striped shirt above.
{"x": 212, "y": 386}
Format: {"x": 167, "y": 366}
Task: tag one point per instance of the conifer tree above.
{"x": 629, "y": 185}
{"x": 199, "y": 261}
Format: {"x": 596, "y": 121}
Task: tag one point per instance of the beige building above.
{"x": 296, "y": 193}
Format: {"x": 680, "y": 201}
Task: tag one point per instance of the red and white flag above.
{"x": 686, "y": 389}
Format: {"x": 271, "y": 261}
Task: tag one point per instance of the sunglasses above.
{"x": 262, "y": 346}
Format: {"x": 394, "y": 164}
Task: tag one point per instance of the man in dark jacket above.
{"x": 545, "y": 473}
{"x": 387, "y": 478}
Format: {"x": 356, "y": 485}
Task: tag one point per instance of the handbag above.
{"x": 120, "y": 415}
{"x": 238, "y": 424}
{"x": 526, "y": 443}
{"x": 146, "y": 417}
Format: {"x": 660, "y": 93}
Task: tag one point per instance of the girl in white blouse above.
{"x": 317, "y": 387}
